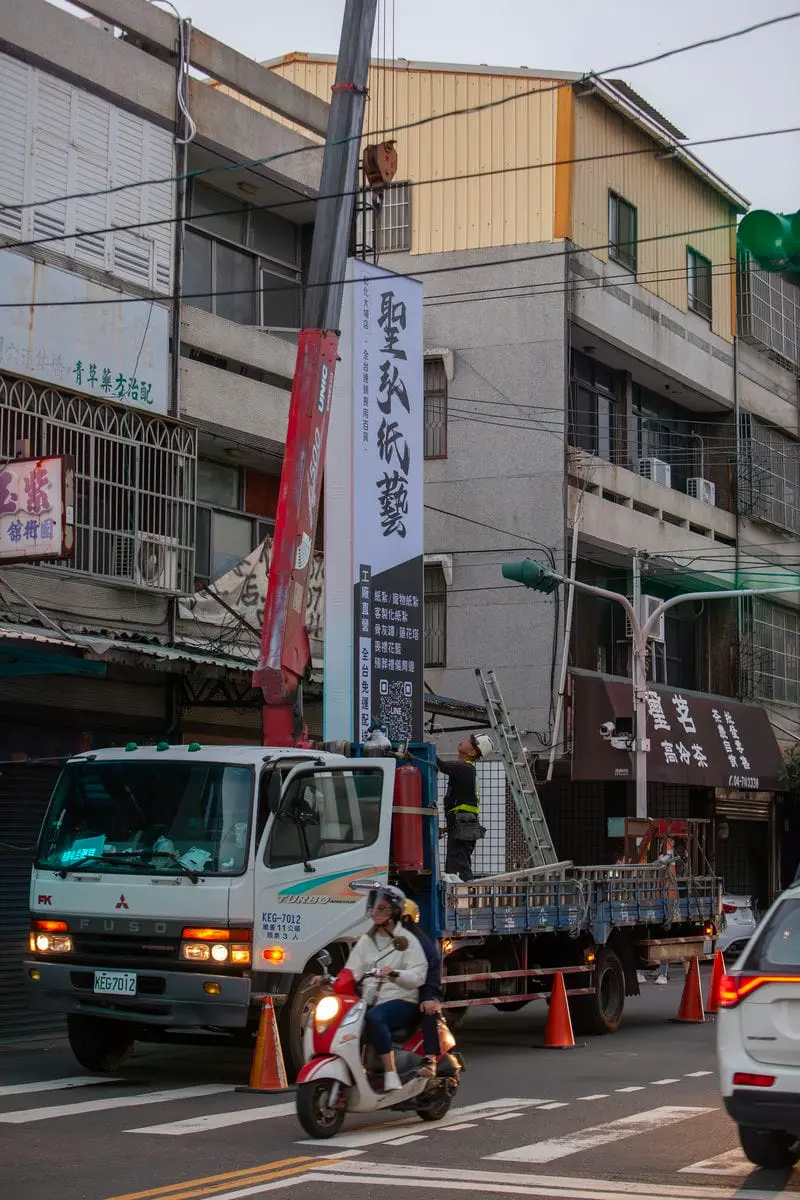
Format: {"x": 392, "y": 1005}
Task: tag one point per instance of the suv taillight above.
{"x": 735, "y": 988}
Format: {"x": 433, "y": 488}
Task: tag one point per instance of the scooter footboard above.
{"x": 327, "y": 1067}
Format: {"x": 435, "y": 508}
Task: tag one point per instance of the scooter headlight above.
{"x": 327, "y": 1010}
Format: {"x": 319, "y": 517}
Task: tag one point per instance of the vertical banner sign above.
{"x": 374, "y": 492}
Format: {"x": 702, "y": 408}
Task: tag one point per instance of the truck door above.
{"x": 331, "y": 830}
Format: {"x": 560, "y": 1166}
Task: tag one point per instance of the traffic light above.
{"x": 773, "y": 239}
{"x": 532, "y": 574}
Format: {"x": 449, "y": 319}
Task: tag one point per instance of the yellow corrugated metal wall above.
{"x": 669, "y": 200}
{"x": 504, "y": 208}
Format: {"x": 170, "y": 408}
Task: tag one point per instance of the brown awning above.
{"x": 696, "y": 740}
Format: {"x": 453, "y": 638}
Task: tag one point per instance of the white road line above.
{"x": 461, "y": 1125}
{"x": 555, "y": 1104}
{"x": 507, "y": 1116}
{"x": 597, "y": 1135}
{"x": 373, "y": 1135}
{"x": 697, "y": 1074}
{"x": 25, "y": 1115}
{"x": 207, "y": 1121}
{"x": 408, "y": 1139}
{"x": 732, "y": 1162}
{"x": 595, "y": 1096}
{"x": 659, "y": 1082}
{"x": 501, "y": 1182}
{"x": 55, "y": 1085}
{"x": 256, "y": 1189}
{"x": 639, "y": 1088}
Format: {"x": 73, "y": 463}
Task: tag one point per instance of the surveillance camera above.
{"x": 607, "y": 730}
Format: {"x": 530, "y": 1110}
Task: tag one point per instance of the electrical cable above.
{"x": 585, "y": 79}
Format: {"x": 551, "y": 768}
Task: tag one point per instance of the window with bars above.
{"x": 241, "y": 262}
{"x": 435, "y": 617}
{"x": 593, "y": 416}
{"x": 393, "y": 225}
{"x": 622, "y": 232}
{"x": 134, "y": 482}
{"x": 698, "y": 280}
{"x": 435, "y": 408}
{"x": 225, "y": 534}
{"x": 769, "y": 312}
{"x": 772, "y": 651}
{"x": 769, "y": 475}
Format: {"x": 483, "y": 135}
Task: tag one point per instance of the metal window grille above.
{"x": 435, "y": 408}
{"x": 134, "y": 482}
{"x": 491, "y": 853}
{"x": 391, "y": 233}
{"x": 774, "y": 635}
{"x": 769, "y": 312}
{"x": 699, "y": 286}
{"x": 622, "y": 235}
{"x": 435, "y": 643}
{"x": 770, "y": 485}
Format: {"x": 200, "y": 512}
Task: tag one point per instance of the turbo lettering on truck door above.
{"x": 331, "y": 830}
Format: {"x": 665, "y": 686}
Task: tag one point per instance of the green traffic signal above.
{"x": 773, "y": 239}
{"x": 532, "y": 574}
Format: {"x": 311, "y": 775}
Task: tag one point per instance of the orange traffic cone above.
{"x": 691, "y": 1006}
{"x": 717, "y": 973}
{"x": 558, "y": 1034}
{"x": 267, "y": 1073}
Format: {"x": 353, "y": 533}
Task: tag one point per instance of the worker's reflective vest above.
{"x": 470, "y": 808}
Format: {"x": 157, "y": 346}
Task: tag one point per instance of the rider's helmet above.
{"x": 411, "y": 912}
{"x": 388, "y": 892}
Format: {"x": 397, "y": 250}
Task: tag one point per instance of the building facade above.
{"x": 605, "y": 382}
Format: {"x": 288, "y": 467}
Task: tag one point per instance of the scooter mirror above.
{"x": 324, "y": 959}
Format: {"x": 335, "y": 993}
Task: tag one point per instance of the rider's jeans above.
{"x": 383, "y": 1018}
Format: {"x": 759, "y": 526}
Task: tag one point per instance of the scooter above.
{"x": 341, "y": 1074}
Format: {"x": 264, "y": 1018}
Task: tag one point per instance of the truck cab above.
{"x": 174, "y": 886}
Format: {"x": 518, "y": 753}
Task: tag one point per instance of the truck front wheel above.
{"x": 295, "y": 1014}
{"x": 602, "y": 1011}
{"x": 99, "y": 1044}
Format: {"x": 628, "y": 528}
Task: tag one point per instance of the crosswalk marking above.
{"x": 408, "y": 1139}
{"x": 660, "y": 1082}
{"x": 732, "y": 1162}
{"x": 597, "y": 1135}
{"x": 697, "y": 1074}
{"x": 638, "y": 1088}
{"x": 554, "y": 1104}
{"x": 26, "y": 1115}
{"x": 507, "y": 1116}
{"x": 207, "y": 1121}
{"x": 595, "y": 1096}
{"x": 373, "y": 1135}
{"x": 55, "y": 1085}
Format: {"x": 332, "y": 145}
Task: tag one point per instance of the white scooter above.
{"x": 342, "y": 1074}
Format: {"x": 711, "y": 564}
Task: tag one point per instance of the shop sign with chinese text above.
{"x": 36, "y": 509}
{"x": 374, "y": 512}
{"x": 696, "y": 740}
{"x": 80, "y": 336}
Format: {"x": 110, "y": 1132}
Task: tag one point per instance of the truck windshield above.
{"x": 149, "y": 817}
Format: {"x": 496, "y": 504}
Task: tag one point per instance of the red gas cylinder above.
{"x": 406, "y": 853}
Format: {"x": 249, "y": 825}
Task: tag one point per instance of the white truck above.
{"x": 173, "y": 887}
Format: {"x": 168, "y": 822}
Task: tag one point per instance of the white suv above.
{"x": 758, "y": 1038}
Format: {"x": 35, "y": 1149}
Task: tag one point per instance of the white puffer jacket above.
{"x": 374, "y": 951}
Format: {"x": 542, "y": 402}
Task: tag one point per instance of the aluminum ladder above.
{"x": 518, "y": 773}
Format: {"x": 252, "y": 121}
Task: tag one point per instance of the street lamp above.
{"x": 542, "y": 578}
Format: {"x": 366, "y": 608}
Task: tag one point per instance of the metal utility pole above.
{"x": 285, "y": 654}
{"x": 639, "y": 675}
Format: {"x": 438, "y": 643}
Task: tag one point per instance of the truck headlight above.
{"x": 51, "y": 943}
{"x": 219, "y": 952}
{"x": 195, "y": 951}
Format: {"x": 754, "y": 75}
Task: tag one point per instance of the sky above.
{"x": 746, "y": 85}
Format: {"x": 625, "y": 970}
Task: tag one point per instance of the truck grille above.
{"x": 108, "y": 948}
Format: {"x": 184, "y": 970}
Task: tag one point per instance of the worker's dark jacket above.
{"x": 462, "y": 787}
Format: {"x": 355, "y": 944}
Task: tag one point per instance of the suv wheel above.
{"x": 771, "y": 1148}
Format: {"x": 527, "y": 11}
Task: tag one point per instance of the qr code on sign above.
{"x": 396, "y": 708}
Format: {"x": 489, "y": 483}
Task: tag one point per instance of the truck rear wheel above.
{"x": 99, "y": 1044}
{"x": 602, "y": 1011}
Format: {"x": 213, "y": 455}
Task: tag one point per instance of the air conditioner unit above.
{"x": 657, "y": 470}
{"x": 156, "y": 562}
{"x": 702, "y": 489}
{"x": 647, "y": 606}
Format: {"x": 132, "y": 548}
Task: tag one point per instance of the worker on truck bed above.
{"x": 462, "y": 805}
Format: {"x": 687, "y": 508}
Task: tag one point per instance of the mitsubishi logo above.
{"x": 121, "y": 903}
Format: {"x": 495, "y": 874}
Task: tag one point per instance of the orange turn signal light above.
{"x": 50, "y": 926}
{"x": 274, "y": 954}
{"x": 217, "y": 935}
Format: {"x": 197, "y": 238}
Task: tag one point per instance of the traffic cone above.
{"x": 267, "y": 1072}
{"x": 558, "y": 1034}
{"x": 691, "y": 1006}
{"x": 717, "y": 973}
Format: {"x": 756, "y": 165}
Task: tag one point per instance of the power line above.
{"x": 414, "y": 275}
{"x": 420, "y": 121}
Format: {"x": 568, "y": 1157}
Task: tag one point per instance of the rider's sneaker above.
{"x": 391, "y": 1082}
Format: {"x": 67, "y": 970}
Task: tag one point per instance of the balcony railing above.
{"x": 769, "y": 313}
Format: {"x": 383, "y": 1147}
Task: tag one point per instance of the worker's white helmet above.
{"x": 483, "y": 744}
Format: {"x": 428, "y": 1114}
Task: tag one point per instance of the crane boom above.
{"x": 285, "y": 657}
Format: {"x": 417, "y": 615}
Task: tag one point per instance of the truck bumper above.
{"x": 166, "y": 998}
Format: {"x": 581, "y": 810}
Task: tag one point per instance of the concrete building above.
{"x": 159, "y": 357}
{"x": 584, "y": 370}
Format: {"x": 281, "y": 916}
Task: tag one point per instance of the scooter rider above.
{"x": 430, "y": 994}
{"x": 399, "y": 960}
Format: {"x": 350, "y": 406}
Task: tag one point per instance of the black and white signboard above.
{"x": 374, "y": 512}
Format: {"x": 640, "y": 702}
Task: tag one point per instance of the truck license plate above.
{"x": 118, "y": 983}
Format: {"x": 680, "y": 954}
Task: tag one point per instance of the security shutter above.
{"x": 743, "y": 806}
{"x": 24, "y": 794}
